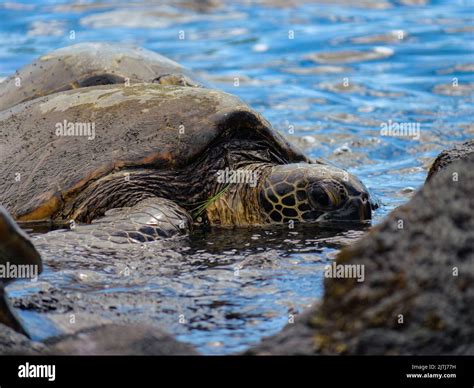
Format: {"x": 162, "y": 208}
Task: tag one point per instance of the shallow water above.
{"x": 327, "y": 75}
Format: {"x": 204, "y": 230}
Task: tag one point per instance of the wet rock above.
{"x": 344, "y": 149}
{"x": 12, "y": 342}
{"x": 107, "y": 339}
{"x": 454, "y": 89}
{"x": 18, "y": 259}
{"x": 341, "y": 57}
{"x": 395, "y": 36}
{"x": 295, "y": 338}
{"x": 463, "y": 151}
{"x": 157, "y": 17}
{"x": 44, "y": 301}
{"x": 49, "y": 28}
{"x": 461, "y": 68}
{"x": 418, "y": 292}
{"x": 116, "y": 339}
{"x": 329, "y": 69}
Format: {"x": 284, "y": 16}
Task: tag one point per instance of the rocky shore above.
{"x": 463, "y": 151}
{"x": 418, "y": 291}
{"x": 106, "y": 339}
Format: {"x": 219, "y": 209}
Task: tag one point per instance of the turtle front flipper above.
{"x": 18, "y": 259}
{"x": 150, "y": 219}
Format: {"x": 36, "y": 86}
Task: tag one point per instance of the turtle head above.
{"x": 313, "y": 192}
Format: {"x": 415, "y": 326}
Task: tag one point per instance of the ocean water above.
{"x": 329, "y": 75}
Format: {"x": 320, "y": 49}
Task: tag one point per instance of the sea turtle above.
{"x": 18, "y": 258}
{"x": 89, "y": 64}
{"x": 162, "y": 156}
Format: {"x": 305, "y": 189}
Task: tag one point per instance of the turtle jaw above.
{"x": 313, "y": 193}
{"x": 356, "y": 209}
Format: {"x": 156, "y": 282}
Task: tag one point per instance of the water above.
{"x": 327, "y": 76}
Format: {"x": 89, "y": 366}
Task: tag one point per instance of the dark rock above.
{"x": 107, "y": 339}
{"x": 12, "y": 342}
{"x": 295, "y": 338}
{"x": 116, "y": 339}
{"x": 418, "y": 293}
{"x": 17, "y": 251}
{"x": 459, "y": 152}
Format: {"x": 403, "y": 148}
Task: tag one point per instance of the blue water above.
{"x": 325, "y": 75}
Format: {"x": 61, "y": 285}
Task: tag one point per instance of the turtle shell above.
{"x": 90, "y": 64}
{"x": 42, "y": 165}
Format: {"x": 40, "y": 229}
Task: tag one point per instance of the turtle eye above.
{"x": 325, "y": 196}
{"x": 319, "y": 199}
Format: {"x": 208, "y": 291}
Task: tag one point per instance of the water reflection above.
{"x": 213, "y": 284}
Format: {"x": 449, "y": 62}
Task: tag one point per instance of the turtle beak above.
{"x": 360, "y": 203}
{"x": 356, "y": 209}
{"x": 365, "y": 207}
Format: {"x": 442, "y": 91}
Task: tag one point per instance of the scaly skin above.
{"x": 294, "y": 192}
